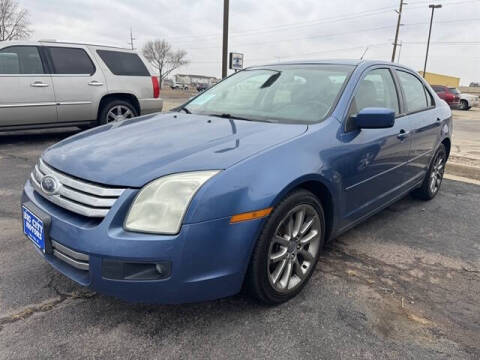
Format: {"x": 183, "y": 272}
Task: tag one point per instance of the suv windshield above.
{"x": 288, "y": 94}
{"x": 455, "y": 91}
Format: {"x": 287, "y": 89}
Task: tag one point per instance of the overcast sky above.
{"x": 268, "y": 31}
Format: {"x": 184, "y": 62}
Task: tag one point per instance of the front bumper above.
{"x": 208, "y": 259}
{"x": 148, "y": 106}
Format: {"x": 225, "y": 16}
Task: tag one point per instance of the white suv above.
{"x": 52, "y": 84}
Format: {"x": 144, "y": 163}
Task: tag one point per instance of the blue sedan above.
{"x": 239, "y": 187}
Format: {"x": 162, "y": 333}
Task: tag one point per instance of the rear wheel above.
{"x": 433, "y": 178}
{"x": 288, "y": 249}
{"x": 464, "y": 105}
{"x": 116, "y": 110}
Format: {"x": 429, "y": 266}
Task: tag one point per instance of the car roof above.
{"x": 352, "y": 62}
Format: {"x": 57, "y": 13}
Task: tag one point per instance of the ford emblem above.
{"x": 49, "y": 185}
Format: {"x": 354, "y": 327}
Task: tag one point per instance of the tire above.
{"x": 464, "y": 105}
{"x": 272, "y": 251}
{"x": 435, "y": 173}
{"x": 109, "y": 110}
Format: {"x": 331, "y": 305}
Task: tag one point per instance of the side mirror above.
{"x": 375, "y": 118}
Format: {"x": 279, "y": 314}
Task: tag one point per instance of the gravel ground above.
{"x": 403, "y": 285}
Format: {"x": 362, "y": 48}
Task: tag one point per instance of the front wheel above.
{"x": 288, "y": 249}
{"x": 433, "y": 178}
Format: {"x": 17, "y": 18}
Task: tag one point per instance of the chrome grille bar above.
{"x": 75, "y": 195}
{"x": 71, "y": 257}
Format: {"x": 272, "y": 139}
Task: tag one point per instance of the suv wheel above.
{"x": 116, "y": 110}
{"x": 287, "y": 250}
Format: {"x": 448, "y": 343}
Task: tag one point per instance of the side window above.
{"x": 414, "y": 91}
{"x": 71, "y": 61}
{"x": 430, "y": 101}
{"x": 20, "y": 60}
{"x": 123, "y": 63}
{"x": 376, "y": 89}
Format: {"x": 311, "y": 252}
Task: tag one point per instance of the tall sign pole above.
{"x": 225, "y": 38}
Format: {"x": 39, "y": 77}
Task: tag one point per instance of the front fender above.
{"x": 261, "y": 181}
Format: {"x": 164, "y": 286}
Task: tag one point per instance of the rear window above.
{"x": 123, "y": 63}
{"x": 72, "y": 61}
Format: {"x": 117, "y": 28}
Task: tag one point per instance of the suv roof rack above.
{"x": 81, "y": 43}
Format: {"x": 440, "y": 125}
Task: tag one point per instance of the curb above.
{"x": 467, "y": 171}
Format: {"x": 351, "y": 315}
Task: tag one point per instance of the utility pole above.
{"x": 399, "y": 51}
{"x": 131, "y": 39}
{"x": 433, "y": 7}
{"x": 395, "y": 42}
{"x": 225, "y": 38}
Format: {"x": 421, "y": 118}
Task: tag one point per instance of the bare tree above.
{"x": 14, "y": 23}
{"x": 163, "y": 58}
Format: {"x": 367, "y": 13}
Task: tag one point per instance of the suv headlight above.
{"x": 161, "y": 205}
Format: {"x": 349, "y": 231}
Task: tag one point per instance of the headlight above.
{"x": 160, "y": 205}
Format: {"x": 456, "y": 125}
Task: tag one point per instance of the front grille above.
{"x": 71, "y": 257}
{"x": 78, "y": 196}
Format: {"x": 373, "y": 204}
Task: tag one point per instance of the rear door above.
{"x": 375, "y": 164}
{"x": 26, "y": 91}
{"x": 420, "y": 108}
{"x": 78, "y": 84}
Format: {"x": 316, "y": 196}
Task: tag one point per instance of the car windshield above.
{"x": 455, "y": 91}
{"x": 285, "y": 94}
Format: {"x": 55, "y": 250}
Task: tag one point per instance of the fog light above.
{"x": 119, "y": 270}
{"x": 162, "y": 269}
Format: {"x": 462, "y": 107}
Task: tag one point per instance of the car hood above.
{"x": 134, "y": 152}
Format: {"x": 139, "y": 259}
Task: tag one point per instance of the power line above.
{"x": 216, "y": 36}
{"x": 329, "y": 35}
{"x": 291, "y": 25}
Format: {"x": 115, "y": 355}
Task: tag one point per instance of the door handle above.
{"x": 39, "y": 84}
{"x": 95, "y": 83}
{"x": 403, "y": 134}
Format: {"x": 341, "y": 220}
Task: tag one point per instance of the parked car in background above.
{"x": 202, "y": 87}
{"x": 179, "y": 86}
{"x": 241, "y": 186}
{"x": 53, "y": 84}
{"x": 467, "y": 101}
{"x": 449, "y": 94}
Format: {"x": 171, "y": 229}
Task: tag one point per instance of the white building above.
{"x": 188, "y": 79}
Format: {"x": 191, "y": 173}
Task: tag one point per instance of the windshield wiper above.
{"x": 230, "y": 116}
{"x": 234, "y": 117}
{"x": 184, "y": 109}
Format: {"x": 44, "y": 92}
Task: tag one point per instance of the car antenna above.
{"x": 366, "y": 49}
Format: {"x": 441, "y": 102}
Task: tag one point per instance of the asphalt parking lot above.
{"x": 403, "y": 285}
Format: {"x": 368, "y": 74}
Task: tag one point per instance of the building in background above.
{"x": 195, "y": 80}
{"x": 439, "y": 79}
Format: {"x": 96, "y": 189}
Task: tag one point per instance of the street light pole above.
{"x": 225, "y": 38}
{"x": 433, "y": 7}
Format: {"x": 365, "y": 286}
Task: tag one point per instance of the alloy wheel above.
{"x": 436, "y": 175}
{"x": 118, "y": 113}
{"x": 294, "y": 248}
